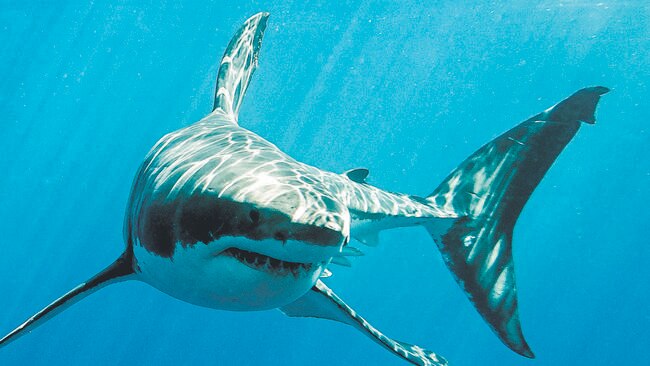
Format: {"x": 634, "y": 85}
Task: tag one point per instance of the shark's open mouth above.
{"x": 265, "y": 263}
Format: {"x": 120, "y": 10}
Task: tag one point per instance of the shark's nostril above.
{"x": 254, "y": 216}
{"x": 281, "y": 236}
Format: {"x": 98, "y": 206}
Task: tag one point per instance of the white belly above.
{"x": 203, "y": 275}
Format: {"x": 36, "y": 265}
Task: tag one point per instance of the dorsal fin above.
{"x": 358, "y": 175}
{"x": 238, "y": 64}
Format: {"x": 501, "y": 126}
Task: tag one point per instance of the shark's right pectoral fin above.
{"x": 120, "y": 270}
{"x": 322, "y": 302}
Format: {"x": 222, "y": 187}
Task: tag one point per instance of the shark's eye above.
{"x": 254, "y": 216}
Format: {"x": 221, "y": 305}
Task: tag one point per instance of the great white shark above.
{"x": 220, "y": 217}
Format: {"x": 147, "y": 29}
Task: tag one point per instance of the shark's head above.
{"x": 257, "y": 242}
{"x": 220, "y": 217}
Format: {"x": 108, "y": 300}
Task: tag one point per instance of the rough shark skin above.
{"x": 220, "y": 217}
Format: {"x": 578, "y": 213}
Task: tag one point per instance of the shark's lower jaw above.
{"x": 265, "y": 263}
{"x": 230, "y": 274}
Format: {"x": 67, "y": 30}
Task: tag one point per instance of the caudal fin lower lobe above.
{"x": 488, "y": 190}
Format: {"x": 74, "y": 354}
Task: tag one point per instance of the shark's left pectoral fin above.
{"x": 238, "y": 65}
{"x": 322, "y": 302}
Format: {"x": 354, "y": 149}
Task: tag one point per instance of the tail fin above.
{"x": 120, "y": 270}
{"x": 489, "y": 190}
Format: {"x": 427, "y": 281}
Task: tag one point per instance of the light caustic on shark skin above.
{"x": 220, "y": 217}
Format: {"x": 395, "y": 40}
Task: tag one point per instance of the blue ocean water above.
{"x": 407, "y": 89}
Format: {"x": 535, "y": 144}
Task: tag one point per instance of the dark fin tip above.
{"x": 513, "y": 338}
{"x": 524, "y": 350}
{"x": 528, "y": 354}
{"x": 578, "y": 107}
{"x": 358, "y": 175}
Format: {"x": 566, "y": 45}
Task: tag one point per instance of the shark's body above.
{"x": 215, "y": 185}
{"x": 220, "y": 217}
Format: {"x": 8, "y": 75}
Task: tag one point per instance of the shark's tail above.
{"x": 120, "y": 270}
{"x": 488, "y": 191}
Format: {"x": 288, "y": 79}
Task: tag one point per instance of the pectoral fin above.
{"x": 322, "y": 302}
{"x": 120, "y": 270}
